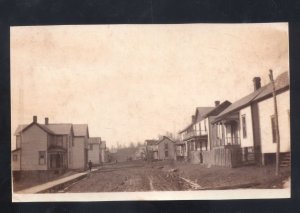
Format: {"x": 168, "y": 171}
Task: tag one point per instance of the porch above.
{"x": 57, "y": 159}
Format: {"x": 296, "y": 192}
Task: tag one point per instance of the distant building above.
{"x": 140, "y": 153}
{"x": 166, "y": 148}
{"x": 151, "y": 149}
{"x": 94, "y": 150}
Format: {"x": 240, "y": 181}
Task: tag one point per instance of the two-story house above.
{"x": 246, "y": 129}
{"x": 49, "y": 146}
{"x": 166, "y": 149}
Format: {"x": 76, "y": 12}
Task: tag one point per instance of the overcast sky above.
{"x": 133, "y": 82}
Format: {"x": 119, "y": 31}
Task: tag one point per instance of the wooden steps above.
{"x": 285, "y": 159}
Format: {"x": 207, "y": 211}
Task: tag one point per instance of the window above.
{"x": 205, "y": 125}
{"x": 273, "y": 126}
{"x": 166, "y": 145}
{"x": 15, "y": 157}
{"x": 42, "y": 157}
{"x": 59, "y": 141}
{"x": 166, "y": 154}
{"x": 244, "y": 126}
{"x": 91, "y": 146}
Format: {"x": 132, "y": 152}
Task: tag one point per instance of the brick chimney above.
{"x": 35, "y": 119}
{"x": 256, "y": 83}
{"x": 46, "y": 121}
{"x": 217, "y": 103}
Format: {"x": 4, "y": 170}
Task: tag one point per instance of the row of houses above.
{"x": 234, "y": 134}
{"x": 56, "y": 147}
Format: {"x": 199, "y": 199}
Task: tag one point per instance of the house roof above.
{"x": 94, "y": 140}
{"x": 59, "y": 129}
{"x": 281, "y": 82}
{"x": 200, "y": 111}
{"x": 15, "y": 150}
{"x": 163, "y": 138}
{"x": 80, "y": 129}
{"x": 23, "y": 127}
{"x": 151, "y": 142}
{"x": 216, "y": 110}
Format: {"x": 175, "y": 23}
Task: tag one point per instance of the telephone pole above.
{"x": 276, "y": 123}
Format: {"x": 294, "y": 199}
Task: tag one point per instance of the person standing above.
{"x": 90, "y": 165}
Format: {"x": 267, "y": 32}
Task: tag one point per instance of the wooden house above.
{"x": 151, "y": 149}
{"x": 246, "y": 129}
{"x": 49, "y": 146}
{"x": 80, "y": 146}
{"x": 94, "y": 154}
{"x": 42, "y": 146}
{"x": 165, "y": 149}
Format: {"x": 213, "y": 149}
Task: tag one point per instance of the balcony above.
{"x": 194, "y": 134}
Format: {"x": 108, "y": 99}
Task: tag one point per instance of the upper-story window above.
{"x": 166, "y": 145}
{"x": 244, "y": 126}
{"x": 205, "y": 126}
{"x": 91, "y": 146}
{"x": 59, "y": 140}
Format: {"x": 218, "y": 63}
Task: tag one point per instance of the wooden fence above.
{"x": 229, "y": 156}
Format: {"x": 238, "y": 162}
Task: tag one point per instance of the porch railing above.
{"x": 194, "y": 133}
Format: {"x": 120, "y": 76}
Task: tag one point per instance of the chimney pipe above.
{"x": 217, "y": 103}
{"x": 46, "y": 121}
{"x": 256, "y": 83}
{"x": 35, "y": 119}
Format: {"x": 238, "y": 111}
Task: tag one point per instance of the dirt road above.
{"x": 171, "y": 176}
{"x": 129, "y": 177}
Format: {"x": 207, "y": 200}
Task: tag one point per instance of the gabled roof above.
{"x": 80, "y": 129}
{"x": 59, "y": 129}
{"x": 23, "y": 127}
{"x": 216, "y": 110}
{"x": 94, "y": 140}
{"x": 281, "y": 82}
{"x": 164, "y": 138}
{"x": 151, "y": 142}
{"x": 200, "y": 111}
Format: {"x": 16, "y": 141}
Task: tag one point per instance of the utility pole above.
{"x": 276, "y": 123}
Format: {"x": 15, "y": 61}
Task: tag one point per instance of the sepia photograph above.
{"x": 150, "y": 112}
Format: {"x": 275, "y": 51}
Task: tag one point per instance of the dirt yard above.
{"x": 169, "y": 176}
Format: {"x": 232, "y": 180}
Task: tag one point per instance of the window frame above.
{"x": 42, "y": 153}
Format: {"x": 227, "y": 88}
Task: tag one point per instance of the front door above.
{"x": 55, "y": 161}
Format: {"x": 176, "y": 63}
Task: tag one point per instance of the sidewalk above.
{"x": 55, "y": 184}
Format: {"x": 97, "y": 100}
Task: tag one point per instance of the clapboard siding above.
{"x": 94, "y": 154}
{"x": 78, "y": 161}
{"x": 34, "y": 139}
